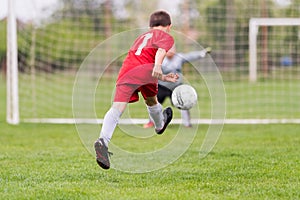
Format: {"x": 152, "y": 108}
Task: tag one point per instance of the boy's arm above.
{"x": 157, "y": 72}
{"x": 159, "y": 57}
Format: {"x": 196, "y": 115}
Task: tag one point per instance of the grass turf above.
{"x": 41, "y": 161}
{"x": 47, "y": 161}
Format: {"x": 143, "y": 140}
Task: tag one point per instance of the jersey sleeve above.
{"x": 163, "y": 40}
{"x": 191, "y": 56}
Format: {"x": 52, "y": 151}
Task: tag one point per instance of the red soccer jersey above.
{"x": 138, "y": 64}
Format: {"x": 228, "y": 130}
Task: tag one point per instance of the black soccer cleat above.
{"x": 168, "y": 115}
{"x": 102, "y": 154}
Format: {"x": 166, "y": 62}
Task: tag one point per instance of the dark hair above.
{"x": 160, "y": 18}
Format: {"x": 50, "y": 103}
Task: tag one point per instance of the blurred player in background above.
{"x": 173, "y": 63}
{"x": 140, "y": 72}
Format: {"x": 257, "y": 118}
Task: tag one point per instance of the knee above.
{"x": 120, "y": 106}
{"x": 151, "y": 101}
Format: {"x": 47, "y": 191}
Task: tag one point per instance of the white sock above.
{"x": 186, "y": 118}
{"x": 110, "y": 122}
{"x": 156, "y": 115}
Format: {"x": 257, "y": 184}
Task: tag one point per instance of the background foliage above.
{"x": 222, "y": 24}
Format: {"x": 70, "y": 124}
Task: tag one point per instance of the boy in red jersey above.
{"x": 140, "y": 72}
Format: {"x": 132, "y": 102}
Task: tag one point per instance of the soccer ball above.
{"x": 184, "y": 97}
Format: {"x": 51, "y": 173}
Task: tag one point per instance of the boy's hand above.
{"x": 171, "y": 77}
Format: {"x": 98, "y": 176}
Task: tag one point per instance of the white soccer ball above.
{"x": 184, "y": 97}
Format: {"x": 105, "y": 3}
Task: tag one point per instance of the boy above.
{"x": 140, "y": 72}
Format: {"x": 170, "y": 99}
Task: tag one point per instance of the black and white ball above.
{"x": 184, "y": 97}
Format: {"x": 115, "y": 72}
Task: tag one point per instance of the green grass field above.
{"x": 46, "y": 161}
{"x": 50, "y": 96}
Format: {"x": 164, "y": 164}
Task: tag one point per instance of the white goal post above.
{"x": 12, "y": 109}
{"x": 254, "y": 25}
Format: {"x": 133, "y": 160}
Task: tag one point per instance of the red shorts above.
{"x": 133, "y": 81}
{"x": 129, "y": 92}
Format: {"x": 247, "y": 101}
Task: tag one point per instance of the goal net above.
{"x": 68, "y": 60}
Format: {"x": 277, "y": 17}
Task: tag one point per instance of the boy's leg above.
{"x": 160, "y": 118}
{"x": 161, "y": 96}
{"x": 111, "y": 120}
{"x": 156, "y": 115}
{"x": 124, "y": 94}
{"x": 109, "y": 124}
{"x": 186, "y": 118}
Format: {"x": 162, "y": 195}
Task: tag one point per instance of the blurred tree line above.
{"x": 65, "y": 39}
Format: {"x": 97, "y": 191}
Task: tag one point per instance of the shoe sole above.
{"x": 98, "y": 150}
